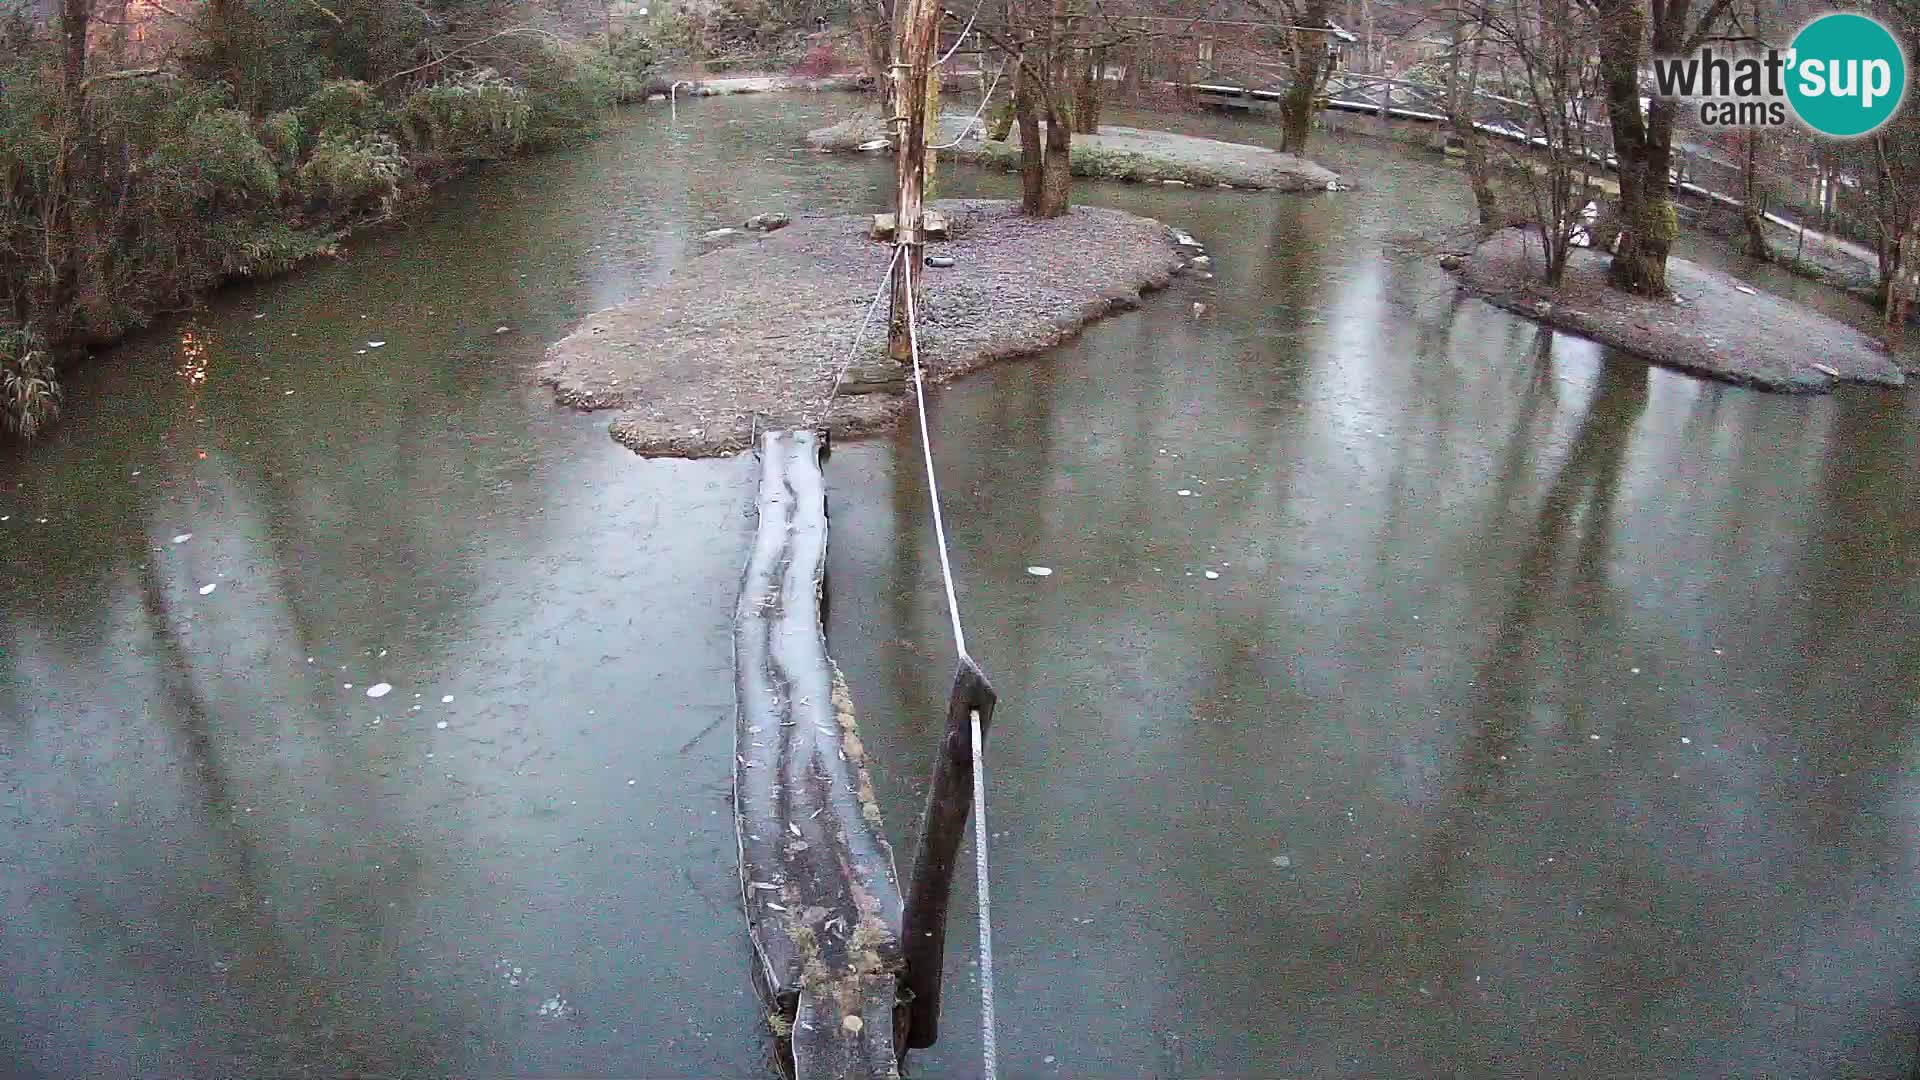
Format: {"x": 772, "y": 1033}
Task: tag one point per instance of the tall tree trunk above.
{"x": 121, "y": 24}
{"x": 1640, "y": 261}
{"x": 1056, "y": 168}
{"x": 1753, "y": 206}
{"x": 1001, "y": 121}
{"x": 1026, "y": 113}
{"x": 62, "y": 246}
{"x": 1643, "y": 143}
{"x": 873, "y": 23}
{"x": 1369, "y": 39}
{"x": 1899, "y": 231}
{"x": 1461, "y": 97}
{"x": 1086, "y": 98}
{"x": 1826, "y": 189}
{"x": 1056, "y": 186}
{"x": 228, "y": 40}
{"x": 1309, "y": 54}
{"x": 1894, "y": 296}
{"x": 1909, "y": 277}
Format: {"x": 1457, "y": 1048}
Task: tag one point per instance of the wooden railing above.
{"x": 1696, "y": 172}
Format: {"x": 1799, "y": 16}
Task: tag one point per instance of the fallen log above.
{"x": 817, "y": 875}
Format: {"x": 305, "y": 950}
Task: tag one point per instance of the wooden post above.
{"x": 949, "y": 800}
{"x": 980, "y": 64}
{"x": 912, "y": 62}
{"x": 930, "y": 162}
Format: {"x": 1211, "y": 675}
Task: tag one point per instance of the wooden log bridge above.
{"x": 817, "y": 875}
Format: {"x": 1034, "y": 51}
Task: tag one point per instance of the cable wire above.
{"x": 989, "y": 1041}
{"x": 853, "y": 349}
{"x": 963, "y": 34}
{"x": 933, "y": 485}
{"x": 964, "y": 131}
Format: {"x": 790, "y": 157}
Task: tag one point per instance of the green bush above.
{"x": 252, "y": 153}
{"x": 29, "y": 393}
{"x": 633, "y": 66}
{"x": 570, "y": 91}
{"x": 214, "y": 159}
{"x": 354, "y": 173}
{"x": 285, "y": 138}
{"x": 476, "y": 117}
{"x": 632, "y": 54}
{"x": 343, "y": 107}
{"x": 28, "y": 150}
{"x": 674, "y": 31}
{"x": 266, "y": 246}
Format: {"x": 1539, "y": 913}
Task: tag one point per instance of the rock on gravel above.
{"x": 754, "y": 335}
{"x": 1748, "y": 338}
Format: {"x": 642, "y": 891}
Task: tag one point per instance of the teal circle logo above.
{"x": 1847, "y": 75}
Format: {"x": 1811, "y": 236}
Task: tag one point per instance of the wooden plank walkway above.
{"x": 817, "y": 875}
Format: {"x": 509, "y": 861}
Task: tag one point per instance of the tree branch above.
{"x": 337, "y": 20}
{"x": 1705, "y": 26}
{"x": 122, "y": 76}
{"x": 468, "y": 48}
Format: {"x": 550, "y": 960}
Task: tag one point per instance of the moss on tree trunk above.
{"x": 1309, "y": 53}
{"x": 1086, "y": 98}
{"x": 1056, "y": 173}
{"x": 1026, "y": 111}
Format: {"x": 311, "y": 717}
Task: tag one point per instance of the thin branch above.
{"x": 1705, "y": 26}
{"x": 122, "y": 76}
{"x": 468, "y": 48}
{"x": 337, "y": 20}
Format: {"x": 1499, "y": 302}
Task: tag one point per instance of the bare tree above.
{"x": 1086, "y": 98}
{"x": 873, "y": 25}
{"x": 1643, "y": 136}
{"x": 1895, "y": 167}
{"x": 1465, "y": 56}
{"x": 1753, "y": 199}
{"x": 1540, "y": 48}
{"x": 62, "y": 248}
{"x": 1041, "y": 39}
{"x": 1305, "y": 36}
{"x": 1751, "y": 21}
{"x": 1058, "y": 51}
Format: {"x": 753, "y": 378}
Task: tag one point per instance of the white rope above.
{"x": 963, "y": 34}
{"x": 989, "y": 1041}
{"x": 853, "y": 349}
{"x": 984, "y": 99}
{"x": 926, "y": 450}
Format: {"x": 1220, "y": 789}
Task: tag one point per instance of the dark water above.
{"x": 1548, "y": 715}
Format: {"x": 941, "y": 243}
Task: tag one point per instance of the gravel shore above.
{"x": 1116, "y": 153}
{"x": 1715, "y": 326}
{"x": 753, "y": 335}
